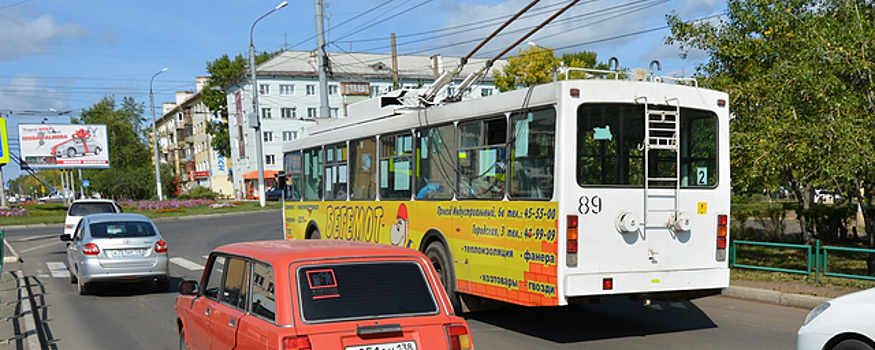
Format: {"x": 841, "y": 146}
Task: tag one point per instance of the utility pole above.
{"x": 394, "y": 65}
{"x": 323, "y": 59}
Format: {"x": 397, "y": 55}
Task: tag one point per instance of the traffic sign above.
{"x": 86, "y": 183}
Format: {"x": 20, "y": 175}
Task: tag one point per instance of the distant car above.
{"x": 116, "y": 248}
{"x": 80, "y": 147}
{"x": 56, "y": 197}
{"x": 273, "y": 194}
{"x": 318, "y": 294}
{"x": 843, "y": 323}
{"x": 84, "y": 207}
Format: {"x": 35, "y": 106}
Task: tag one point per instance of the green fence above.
{"x": 804, "y": 259}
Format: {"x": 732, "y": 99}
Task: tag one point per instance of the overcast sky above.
{"x": 66, "y": 55}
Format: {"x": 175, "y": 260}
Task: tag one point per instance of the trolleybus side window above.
{"x": 396, "y": 166}
{"x": 313, "y": 174}
{"x": 609, "y": 146}
{"x": 436, "y": 168}
{"x": 363, "y": 168}
{"x": 335, "y": 172}
{"x": 293, "y": 176}
{"x": 482, "y": 157}
{"x": 533, "y": 139}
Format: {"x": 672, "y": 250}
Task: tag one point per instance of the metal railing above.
{"x": 816, "y": 259}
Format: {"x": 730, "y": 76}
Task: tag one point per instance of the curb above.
{"x": 774, "y": 297}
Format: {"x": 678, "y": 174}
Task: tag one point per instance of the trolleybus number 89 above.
{"x": 590, "y": 205}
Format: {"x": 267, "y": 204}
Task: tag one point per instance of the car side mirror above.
{"x": 66, "y": 238}
{"x": 188, "y": 287}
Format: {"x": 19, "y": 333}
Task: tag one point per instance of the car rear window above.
{"x": 365, "y": 290}
{"x": 121, "y": 229}
{"x": 82, "y": 209}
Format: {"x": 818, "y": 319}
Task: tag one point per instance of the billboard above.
{"x": 4, "y": 143}
{"x": 64, "y": 146}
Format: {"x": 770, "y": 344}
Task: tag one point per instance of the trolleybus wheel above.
{"x": 440, "y": 260}
{"x": 315, "y": 234}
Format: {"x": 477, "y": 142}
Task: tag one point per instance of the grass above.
{"x": 42, "y": 214}
{"x": 796, "y": 259}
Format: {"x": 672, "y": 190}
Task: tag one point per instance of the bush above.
{"x": 829, "y": 223}
{"x": 200, "y": 193}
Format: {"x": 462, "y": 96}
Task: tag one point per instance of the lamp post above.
{"x": 259, "y": 138}
{"x": 155, "y": 137}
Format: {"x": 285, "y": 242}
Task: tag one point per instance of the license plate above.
{"x": 404, "y": 345}
{"x": 127, "y": 253}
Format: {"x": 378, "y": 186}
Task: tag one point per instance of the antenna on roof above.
{"x": 428, "y": 95}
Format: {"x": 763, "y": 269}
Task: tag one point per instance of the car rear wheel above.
{"x": 440, "y": 260}
{"x": 84, "y": 288}
{"x": 183, "y": 345}
{"x": 852, "y": 344}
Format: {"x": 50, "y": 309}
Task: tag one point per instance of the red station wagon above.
{"x": 318, "y": 294}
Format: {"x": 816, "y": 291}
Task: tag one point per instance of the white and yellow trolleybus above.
{"x": 543, "y": 196}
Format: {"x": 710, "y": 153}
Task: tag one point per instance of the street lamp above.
{"x": 155, "y": 136}
{"x": 259, "y": 142}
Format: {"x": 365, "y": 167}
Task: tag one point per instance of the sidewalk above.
{"x": 17, "y": 330}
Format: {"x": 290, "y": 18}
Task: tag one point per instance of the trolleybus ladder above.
{"x": 661, "y": 132}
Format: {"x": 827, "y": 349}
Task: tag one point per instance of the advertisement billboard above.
{"x": 64, "y": 146}
{"x": 4, "y": 142}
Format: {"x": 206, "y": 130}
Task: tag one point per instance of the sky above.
{"x": 63, "y": 56}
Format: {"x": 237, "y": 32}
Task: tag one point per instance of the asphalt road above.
{"x": 134, "y": 316}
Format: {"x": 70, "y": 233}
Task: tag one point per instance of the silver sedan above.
{"x": 115, "y": 248}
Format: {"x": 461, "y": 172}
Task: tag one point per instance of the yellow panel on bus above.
{"x": 502, "y": 250}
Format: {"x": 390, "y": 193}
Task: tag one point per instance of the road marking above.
{"x": 187, "y": 264}
{"x": 58, "y": 269}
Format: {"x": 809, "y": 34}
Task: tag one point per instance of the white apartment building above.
{"x": 289, "y": 99}
{"x": 184, "y": 143}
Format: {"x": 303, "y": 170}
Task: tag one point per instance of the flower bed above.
{"x": 168, "y": 204}
{"x": 13, "y": 211}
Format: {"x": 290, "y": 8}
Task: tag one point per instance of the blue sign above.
{"x": 85, "y": 183}
{"x": 221, "y": 163}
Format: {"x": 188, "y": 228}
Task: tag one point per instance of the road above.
{"x": 134, "y": 316}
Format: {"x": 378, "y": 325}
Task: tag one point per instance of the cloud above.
{"x": 26, "y": 93}
{"x": 25, "y": 36}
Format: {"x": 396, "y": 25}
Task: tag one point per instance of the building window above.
{"x": 451, "y": 91}
{"x": 311, "y": 113}
{"x": 264, "y": 89}
{"x": 268, "y": 136}
{"x": 333, "y": 112}
{"x": 289, "y": 135}
{"x": 332, "y": 89}
{"x": 485, "y": 92}
{"x": 288, "y": 113}
{"x": 375, "y": 91}
{"x": 287, "y": 90}
{"x": 311, "y": 90}
{"x": 265, "y": 113}
{"x": 270, "y": 159}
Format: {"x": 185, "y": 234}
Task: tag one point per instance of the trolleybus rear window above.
{"x": 610, "y": 147}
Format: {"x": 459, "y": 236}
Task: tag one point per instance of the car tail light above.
{"x": 571, "y": 241}
{"x": 296, "y": 343}
{"x": 69, "y": 227}
{"x": 90, "y": 249}
{"x": 161, "y": 247}
{"x": 458, "y": 337}
{"x": 722, "y": 236}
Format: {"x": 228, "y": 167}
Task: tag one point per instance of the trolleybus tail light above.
{"x": 296, "y": 343}
{"x": 607, "y": 283}
{"x": 575, "y": 92}
{"x": 571, "y": 241}
{"x": 722, "y": 229}
{"x": 721, "y": 103}
{"x": 458, "y": 337}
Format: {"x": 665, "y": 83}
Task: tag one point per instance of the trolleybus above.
{"x": 543, "y": 196}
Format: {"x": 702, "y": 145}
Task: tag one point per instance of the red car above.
{"x": 318, "y": 294}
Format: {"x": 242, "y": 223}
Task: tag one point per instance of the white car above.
{"x": 843, "y": 323}
{"x": 84, "y": 207}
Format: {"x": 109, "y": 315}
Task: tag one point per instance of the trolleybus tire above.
{"x": 440, "y": 260}
{"x": 315, "y": 234}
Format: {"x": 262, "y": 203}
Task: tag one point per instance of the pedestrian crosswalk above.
{"x": 58, "y": 269}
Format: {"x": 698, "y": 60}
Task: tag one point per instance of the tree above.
{"x": 131, "y": 174}
{"x": 223, "y": 72}
{"x": 536, "y": 65}
{"x": 800, "y": 81}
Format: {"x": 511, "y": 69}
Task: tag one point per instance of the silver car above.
{"x": 116, "y": 248}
